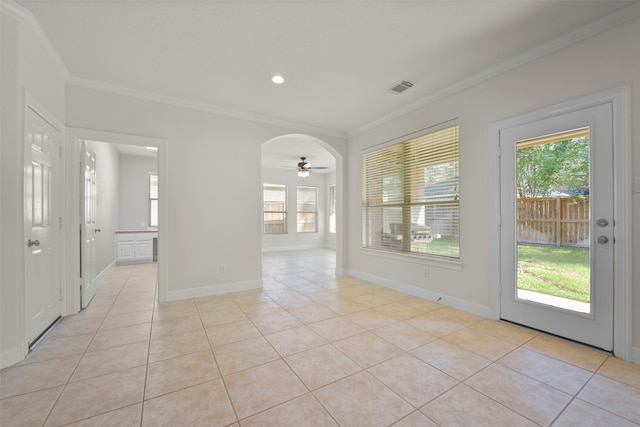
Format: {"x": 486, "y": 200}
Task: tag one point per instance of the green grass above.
{"x": 558, "y": 271}
{"x": 445, "y": 246}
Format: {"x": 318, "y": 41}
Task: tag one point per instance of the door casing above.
{"x": 619, "y": 98}
{"x": 73, "y": 206}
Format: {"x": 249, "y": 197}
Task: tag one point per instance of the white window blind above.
{"x": 153, "y": 200}
{"x": 274, "y": 201}
{"x": 410, "y": 199}
{"x": 307, "y": 220}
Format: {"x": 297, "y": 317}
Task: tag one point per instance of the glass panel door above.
{"x": 553, "y": 220}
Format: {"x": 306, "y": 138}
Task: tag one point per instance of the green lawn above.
{"x": 444, "y": 246}
{"x": 551, "y": 270}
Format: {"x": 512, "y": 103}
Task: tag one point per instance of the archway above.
{"x": 280, "y": 158}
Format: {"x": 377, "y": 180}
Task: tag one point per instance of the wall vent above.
{"x": 400, "y": 87}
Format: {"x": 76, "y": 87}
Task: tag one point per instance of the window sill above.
{"x": 432, "y": 261}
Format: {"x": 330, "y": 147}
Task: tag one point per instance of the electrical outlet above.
{"x": 221, "y": 268}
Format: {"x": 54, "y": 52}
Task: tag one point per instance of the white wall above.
{"x": 606, "y": 61}
{"x": 133, "y": 191}
{"x": 107, "y": 166}
{"x": 25, "y": 69}
{"x": 292, "y": 239}
{"x": 214, "y": 207}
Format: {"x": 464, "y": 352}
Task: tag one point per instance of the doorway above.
{"x": 560, "y": 214}
{"x": 301, "y": 184}
{"x": 107, "y": 149}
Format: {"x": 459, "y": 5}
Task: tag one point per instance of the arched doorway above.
{"x": 302, "y": 212}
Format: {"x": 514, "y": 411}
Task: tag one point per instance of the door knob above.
{"x": 97, "y": 230}
{"x": 602, "y": 222}
{"x": 602, "y": 239}
{"x": 31, "y": 243}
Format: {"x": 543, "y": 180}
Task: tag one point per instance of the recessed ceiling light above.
{"x": 277, "y": 79}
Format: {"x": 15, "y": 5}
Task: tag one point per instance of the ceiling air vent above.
{"x": 400, "y": 87}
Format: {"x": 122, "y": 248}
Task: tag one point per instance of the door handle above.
{"x": 97, "y": 230}
{"x": 31, "y": 243}
{"x": 602, "y": 239}
{"x": 602, "y": 222}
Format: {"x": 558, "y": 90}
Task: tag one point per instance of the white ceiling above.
{"x": 338, "y": 57}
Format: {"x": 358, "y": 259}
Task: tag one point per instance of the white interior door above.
{"x": 88, "y": 227}
{"x": 43, "y": 241}
{"x": 530, "y": 293}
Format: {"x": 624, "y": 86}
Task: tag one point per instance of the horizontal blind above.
{"x": 410, "y": 189}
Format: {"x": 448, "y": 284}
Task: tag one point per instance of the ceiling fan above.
{"x": 304, "y": 167}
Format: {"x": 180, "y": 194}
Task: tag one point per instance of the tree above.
{"x": 554, "y": 166}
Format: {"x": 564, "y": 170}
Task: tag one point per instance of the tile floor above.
{"x": 309, "y": 349}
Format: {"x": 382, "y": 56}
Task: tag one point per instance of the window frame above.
{"x": 152, "y": 223}
{"x": 409, "y": 176}
{"x": 282, "y": 212}
{"x": 333, "y": 202}
{"x": 313, "y": 213}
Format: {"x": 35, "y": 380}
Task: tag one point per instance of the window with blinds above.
{"x": 153, "y": 200}
{"x": 410, "y": 198}
{"x": 307, "y": 220}
{"x": 274, "y": 202}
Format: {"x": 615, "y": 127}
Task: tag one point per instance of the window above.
{"x": 307, "y": 210}
{"x": 153, "y": 200}
{"x": 332, "y": 208}
{"x": 274, "y": 206}
{"x": 410, "y": 198}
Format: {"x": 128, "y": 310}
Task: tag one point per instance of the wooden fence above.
{"x": 559, "y": 221}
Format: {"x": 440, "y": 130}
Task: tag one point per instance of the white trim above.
{"x": 25, "y": 16}
{"x": 199, "y": 106}
{"x": 76, "y": 134}
{"x": 635, "y": 355}
{"x": 223, "y": 288}
{"x": 610, "y": 21}
{"x": 620, "y": 99}
{"x": 467, "y": 306}
{"x": 13, "y": 355}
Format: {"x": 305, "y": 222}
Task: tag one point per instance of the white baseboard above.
{"x": 470, "y": 307}
{"x": 203, "y": 291}
{"x": 106, "y": 271}
{"x": 12, "y": 355}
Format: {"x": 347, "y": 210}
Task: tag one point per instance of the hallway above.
{"x": 310, "y": 348}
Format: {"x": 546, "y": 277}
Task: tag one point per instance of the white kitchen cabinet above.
{"x": 134, "y": 246}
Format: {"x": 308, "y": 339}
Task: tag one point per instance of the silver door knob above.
{"x": 97, "y": 230}
{"x": 602, "y": 239}
{"x": 31, "y": 243}
{"x": 602, "y": 222}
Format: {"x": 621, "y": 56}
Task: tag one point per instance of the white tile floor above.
{"x": 309, "y": 349}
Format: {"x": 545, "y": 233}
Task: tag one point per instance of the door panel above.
{"x": 89, "y": 228}
{"x": 588, "y": 253}
{"x": 42, "y": 225}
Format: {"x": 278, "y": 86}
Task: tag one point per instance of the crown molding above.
{"x": 199, "y": 106}
{"x": 612, "y": 20}
{"x": 26, "y": 18}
